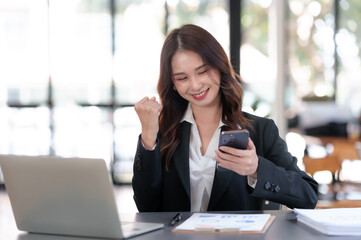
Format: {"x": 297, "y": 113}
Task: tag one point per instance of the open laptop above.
{"x": 66, "y": 196}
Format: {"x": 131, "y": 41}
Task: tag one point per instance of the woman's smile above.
{"x": 201, "y": 95}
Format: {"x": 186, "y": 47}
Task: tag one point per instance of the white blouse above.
{"x": 201, "y": 167}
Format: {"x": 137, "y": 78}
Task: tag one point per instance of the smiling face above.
{"x": 194, "y": 80}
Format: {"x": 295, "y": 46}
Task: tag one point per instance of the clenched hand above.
{"x": 148, "y": 110}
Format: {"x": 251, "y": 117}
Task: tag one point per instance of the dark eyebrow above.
{"x": 196, "y": 69}
{"x": 201, "y": 66}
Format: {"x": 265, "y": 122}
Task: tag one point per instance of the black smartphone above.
{"x": 233, "y": 138}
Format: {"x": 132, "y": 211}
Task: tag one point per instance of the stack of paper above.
{"x": 335, "y": 221}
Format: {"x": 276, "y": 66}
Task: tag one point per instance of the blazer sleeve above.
{"x": 147, "y": 178}
{"x": 279, "y": 178}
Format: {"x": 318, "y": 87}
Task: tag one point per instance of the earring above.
{"x": 174, "y": 88}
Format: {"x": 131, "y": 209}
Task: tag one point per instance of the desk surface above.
{"x": 285, "y": 226}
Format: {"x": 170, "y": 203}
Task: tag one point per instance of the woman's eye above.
{"x": 204, "y": 71}
{"x": 183, "y": 78}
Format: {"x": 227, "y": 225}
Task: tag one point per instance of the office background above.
{"x": 71, "y": 70}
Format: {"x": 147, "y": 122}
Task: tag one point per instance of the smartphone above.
{"x": 235, "y": 139}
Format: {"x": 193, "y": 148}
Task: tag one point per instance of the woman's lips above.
{"x": 201, "y": 95}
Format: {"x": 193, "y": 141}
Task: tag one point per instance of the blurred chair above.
{"x": 339, "y": 149}
{"x": 328, "y": 129}
{"x": 328, "y": 163}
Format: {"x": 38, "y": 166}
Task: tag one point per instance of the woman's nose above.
{"x": 195, "y": 83}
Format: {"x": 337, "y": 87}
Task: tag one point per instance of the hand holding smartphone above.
{"x": 235, "y": 139}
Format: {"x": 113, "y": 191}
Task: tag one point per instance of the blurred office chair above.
{"x": 341, "y": 149}
{"x": 329, "y": 129}
{"x": 327, "y": 163}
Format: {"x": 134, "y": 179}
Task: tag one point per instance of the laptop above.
{"x": 65, "y": 196}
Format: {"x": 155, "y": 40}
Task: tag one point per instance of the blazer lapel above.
{"x": 181, "y": 157}
{"x": 220, "y": 184}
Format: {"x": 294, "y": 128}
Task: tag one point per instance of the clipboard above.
{"x": 190, "y": 225}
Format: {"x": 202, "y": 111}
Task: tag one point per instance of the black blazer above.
{"x": 279, "y": 178}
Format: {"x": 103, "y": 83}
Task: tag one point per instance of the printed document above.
{"x": 224, "y": 222}
{"x": 334, "y": 221}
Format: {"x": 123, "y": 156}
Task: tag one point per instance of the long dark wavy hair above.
{"x": 196, "y": 39}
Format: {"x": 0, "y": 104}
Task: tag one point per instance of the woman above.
{"x": 175, "y": 163}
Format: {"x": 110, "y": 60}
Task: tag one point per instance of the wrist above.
{"x": 253, "y": 176}
{"x": 148, "y": 144}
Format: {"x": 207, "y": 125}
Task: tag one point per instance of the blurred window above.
{"x": 348, "y": 40}
{"x": 83, "y": 132}
{"x": 323, "y": 54}
{"x": 24, "y": 52}
{"x": 311, "y": 56}
{"x": 71, "y": 70}
{"x": 126, "y": 138}
{"x": 256, "y": 69}
{"x": 24, "y": 118}
{"x": 74, "y": 69}
{"x": 138, "y": 40}
{"x": 24, "y": 131}
{"x": 80, "y": 51}
{"x": 81, "y": 72}
{"x": 212, "y": 15}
